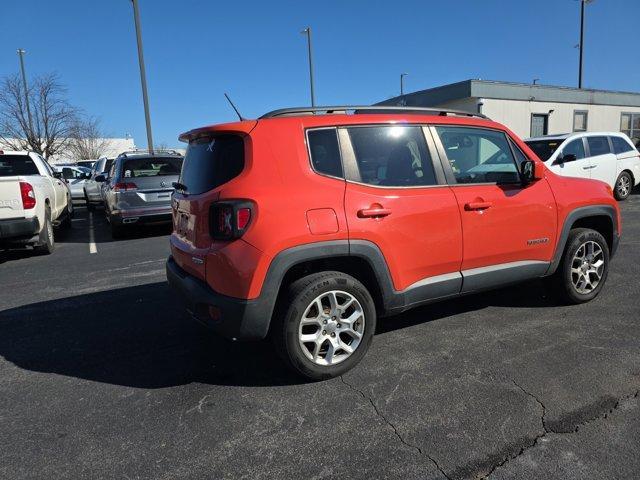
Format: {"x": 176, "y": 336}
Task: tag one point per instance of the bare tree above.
{"x": 87, "y": 140}
{"x": 53, "y": 117}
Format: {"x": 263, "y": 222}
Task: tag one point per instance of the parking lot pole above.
{"x": 143, "y": 75}
{"x": 313, "y": 97}
{"x": 21, "y": 53}
{"x": 402, "y": 75}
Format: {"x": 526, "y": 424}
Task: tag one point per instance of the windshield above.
{"x": 544, "y": 148}
{"x": 151, "y": 167}
{"x": 11, "y": 165}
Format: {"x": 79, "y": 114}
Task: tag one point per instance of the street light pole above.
{"x": 143, "y": 75}
{"x": 21, "y": 53}
{"x": 402, "y": 75}
{"x": 308, "y": 32}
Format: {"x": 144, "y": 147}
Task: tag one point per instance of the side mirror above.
{"x": 57, "y": 174}
{"x": 86, "y": 176}
{"x": 100, "y": 178}
{"x": 530, "y": 171}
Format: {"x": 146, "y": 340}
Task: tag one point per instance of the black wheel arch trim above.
{"x": 577, "y": 214}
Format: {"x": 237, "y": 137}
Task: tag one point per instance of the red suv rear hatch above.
{"x": 213, "y": 158}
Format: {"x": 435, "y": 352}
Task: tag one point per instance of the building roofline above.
{"x": 515, "y": 91}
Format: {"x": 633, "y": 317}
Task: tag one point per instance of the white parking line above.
{"x": 92, "y": 244}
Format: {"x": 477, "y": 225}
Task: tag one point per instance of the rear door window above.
{"x": 620, "y": 145}
{"x": 151, "y": 167}
{"x": 211, "y": 162}
{"x": 13, "y": 165}
{"x": 324, "y": 151}
{"x": 598, "y": 146}
{"x": 392, "y": 156}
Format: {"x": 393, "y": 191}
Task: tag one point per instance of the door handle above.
{"x": 589, "y": 167}
{"x": 373, "y": 212}
{"x": 477, "y": 205}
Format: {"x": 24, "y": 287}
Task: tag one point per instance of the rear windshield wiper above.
{"x": 179, "y": 186}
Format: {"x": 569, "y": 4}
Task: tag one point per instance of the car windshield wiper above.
{"x": 179, "y": 186}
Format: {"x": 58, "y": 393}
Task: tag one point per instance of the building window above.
{"x": 580, "y": 118}
{"x": 630, "y": 124}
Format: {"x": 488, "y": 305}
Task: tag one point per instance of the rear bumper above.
{"x": 239, "y": 319}
{"x": 19, "y": 228}
{"x": 141, "y": 216}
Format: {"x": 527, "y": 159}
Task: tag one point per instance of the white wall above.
{"x": 516, "y": 115}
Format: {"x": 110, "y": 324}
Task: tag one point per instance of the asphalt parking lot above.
{"x": 104, "y": 376}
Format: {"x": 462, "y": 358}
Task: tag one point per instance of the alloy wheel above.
{"x": 623, "y": 186}
{"x": 587, "y": 267}
{"x": 331, "y": 327}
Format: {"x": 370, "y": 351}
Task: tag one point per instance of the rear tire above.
{"x": 321, "y": 343}
{"x": 66, "y": 222}
{"x": 584, "y": 267}
{"x": 623, "y": 187}
{"x": 47, "y": 241}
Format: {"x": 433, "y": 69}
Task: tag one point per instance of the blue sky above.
{"x": 197, "y": 49}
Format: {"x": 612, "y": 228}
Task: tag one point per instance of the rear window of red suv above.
{"x": 211, "y": 162}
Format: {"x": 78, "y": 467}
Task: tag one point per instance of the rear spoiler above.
{"x": 244, "y": 127}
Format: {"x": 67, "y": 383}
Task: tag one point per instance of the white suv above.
{"x": 33, "y": 198}
{"x": 606, "y": 156}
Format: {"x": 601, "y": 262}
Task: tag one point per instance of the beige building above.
{"x": 534, "y": 110}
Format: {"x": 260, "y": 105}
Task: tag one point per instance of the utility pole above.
{"x": 143, "y": 75}
{"x": 402, "y": 75}
{"x": 581, "y": 45}
{"x": 21, "y": 53}
{"x": 307, "y": 31}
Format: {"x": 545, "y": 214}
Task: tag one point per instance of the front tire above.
{"x": 117, "y": 231}
{"x": 623, "y": 187}
{"x": 584, "y": 267}
{"x": 324, "y": 324}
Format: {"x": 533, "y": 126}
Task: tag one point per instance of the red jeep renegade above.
{"x": 308, "y": 224}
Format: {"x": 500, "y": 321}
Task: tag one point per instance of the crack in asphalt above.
{"x": 547, "y": 430}
{"x": 394, "y": 428}
{"x": 532, "y": 443}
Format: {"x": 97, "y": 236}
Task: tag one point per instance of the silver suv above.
{"x": 139, "y": 187}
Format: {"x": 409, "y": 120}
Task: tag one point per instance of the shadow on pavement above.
{"x": 142, "y": 337}
{"x": 79, "y": 232}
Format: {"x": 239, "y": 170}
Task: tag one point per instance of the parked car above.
{"x": 86, "y": 163}
{"x": 92, "y": 188}
{"x": 33, "y": 198}
{"x": 139, "y": 187}
{"x": 607, "y": 156}
{"x": 75, "y": 177}
{"x": 308, "y": 228}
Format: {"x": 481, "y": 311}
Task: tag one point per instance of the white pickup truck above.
{"x": 33, "y": 199}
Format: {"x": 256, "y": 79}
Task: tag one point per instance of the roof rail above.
{"x": 370, "y": 109}
{"x": 149, "y": 152}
